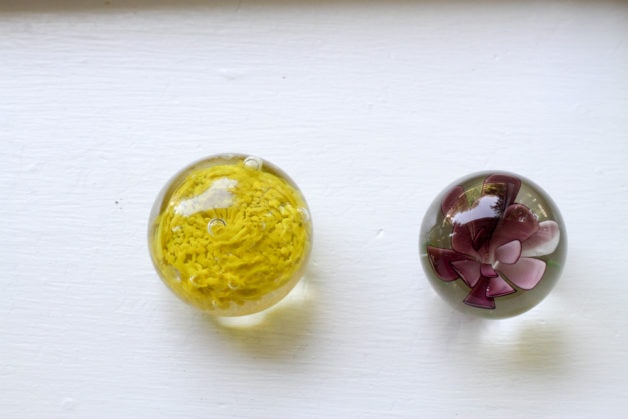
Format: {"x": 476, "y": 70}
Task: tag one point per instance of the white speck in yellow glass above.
{"x": 230, "y": 235}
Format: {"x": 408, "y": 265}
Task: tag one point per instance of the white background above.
{"x": 372, "y": 107}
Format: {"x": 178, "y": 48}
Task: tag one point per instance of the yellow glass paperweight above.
{"x": 230, "y": 234}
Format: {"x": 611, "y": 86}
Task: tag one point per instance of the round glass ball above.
{"x": 493, "y": 244}
{"x": 230, "y": 234}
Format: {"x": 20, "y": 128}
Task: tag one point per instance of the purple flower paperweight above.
{"x": 493, "y": 244}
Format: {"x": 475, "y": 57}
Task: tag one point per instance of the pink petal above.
{"x": 462, "y": 241}
{"x": 497, "y": 287}
{"x": 473, "y": 238}
{"x": 474, "y": 227}
{"x": 480, "y": 237}
{"x": 477, "y": 296}
{"x": 509, "y": 252}
{"x": 455, "y": 200}
{"x": 525, "y": 274}
{"x": 487, "y": 271}
{"x": 517, "y": 223}
{"x": 504, "y": 186}
{"x": 441, "y": 260}
{"x": 544, "y": 241}
{"x": 468, "y": 270}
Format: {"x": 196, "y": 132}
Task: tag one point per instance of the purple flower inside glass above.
{"x": 493, "y": 244}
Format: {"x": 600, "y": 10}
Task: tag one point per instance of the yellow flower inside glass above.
{"x": 230, "y": 235}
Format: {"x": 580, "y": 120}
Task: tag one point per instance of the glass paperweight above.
{"x": 230, "y": 235}
{"x": 493, "y": 244}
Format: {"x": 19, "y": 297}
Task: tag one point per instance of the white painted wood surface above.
{"x": 372, "y": 107}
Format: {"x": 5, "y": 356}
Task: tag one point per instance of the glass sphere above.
{"x": 493, "y": 244}
{"x": 230, "y": 235}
